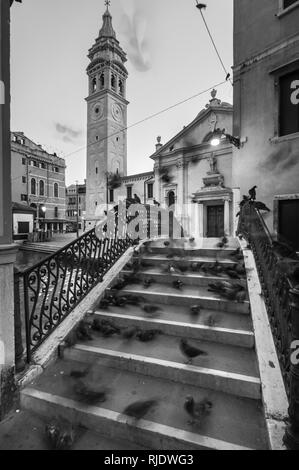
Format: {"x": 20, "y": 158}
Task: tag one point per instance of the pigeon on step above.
{"x": 151, "y": 310}
{"x": 139, "y": 409}
{"x": 129, "y": 333}
{"x": 190, "y": 351}
{"x": 60, "y": 434}
{"x": 197, "y": 411}
{"x": 90, "y": 395}
{"x": 195, "y": 310}
{"x": 147, "y": 335}
{"x": 178, "y": 284}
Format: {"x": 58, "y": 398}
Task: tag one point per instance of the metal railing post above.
{"x": 19, "y": 349}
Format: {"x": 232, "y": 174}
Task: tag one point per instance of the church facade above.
{"x": 188, "y": 174}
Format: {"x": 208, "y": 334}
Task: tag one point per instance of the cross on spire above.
{"x": 107, "y": 3}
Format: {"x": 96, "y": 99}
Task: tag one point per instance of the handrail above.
{"x": 281, "y": 295}
{"x": 56, "y": 285}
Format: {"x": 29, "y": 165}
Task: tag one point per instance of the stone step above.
{"x": 188, "y": 278}
{"x": 26, "y": 431}
{"x": 226, "y": 368}
{"x": 189, "y": 295}
{"x": 181, "y": 314}
{"x": 182, "y": 329}
{"x": 233, "y": 423}
{"x": 158, "y": 259}
{"x": 39, "y": 248}
{"x": 188, "y": 250}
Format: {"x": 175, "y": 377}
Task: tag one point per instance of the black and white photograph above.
{"x": 149, "y": 228}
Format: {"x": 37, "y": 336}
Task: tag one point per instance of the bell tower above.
{"x": 106, "y": 117}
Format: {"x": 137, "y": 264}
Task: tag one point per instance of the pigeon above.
{"x": 139, "y": 409}
{"x": 148, "y": 282}
{"x": 106, "y": 327}
{"x": 252, "y": 193}
{"x": 104, "y": 304}
{"x": 190, "y": 351}
{"x": 166, "y": 243}
{"x": 223, "y": 243}
{"x": 60, "y": 434}
{"x": 191, "y": 240}
{"x": 147, "y": 335}
{"x": 232, "y": 274}
{"x": 210, "y": 321}
{"x": 195, "y": 310}
{"x": 134, "y": 299}
{"x": 120, "y": 284}
{"x": 261, "y": 206}
{"x": 197, "y": 411}
{"x": 178, "y": 284}
{"x": 129, "y": 333}
{"x": 79, "y": 374}
{"x": 90, "y": 395}
{"x": 83, "y": 331}
{"x": 151, "y": 309}
{"x": 240, "y": 269}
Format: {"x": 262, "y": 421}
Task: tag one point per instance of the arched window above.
{"x": 121, "y": 87}
{"x": 33, "y": 186}
{"x": 113, "y": 82}
{"x": 41, "y": 188}
{"x": 102, "y": 81}
{"x": 56, "y": 190}
{"x": 94, "y": 84}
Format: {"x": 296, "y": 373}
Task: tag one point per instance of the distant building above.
{"x": 23, "y": 221}
{"x": 38, "y": 181}
{"x": 266, "y": 108}
{"x": 76, "y": 206}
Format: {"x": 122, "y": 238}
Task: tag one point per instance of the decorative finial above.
{"x": 107, "y": 3}
{"x": 159, "y": 138}
{"x": 214, "y": 93}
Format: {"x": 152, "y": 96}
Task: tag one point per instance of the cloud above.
{"x": 134, "y": 27}
{"x": 67, "y": 133}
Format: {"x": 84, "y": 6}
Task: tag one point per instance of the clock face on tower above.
{"x": 97, "y": 111}
{"x": 117, "y": 112}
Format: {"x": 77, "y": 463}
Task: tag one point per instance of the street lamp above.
{"x": 220, "y": 136}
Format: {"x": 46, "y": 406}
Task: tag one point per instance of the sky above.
{"x": 170, "y": 58}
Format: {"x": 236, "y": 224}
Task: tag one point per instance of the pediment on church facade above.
{"x": 215, "y": 115}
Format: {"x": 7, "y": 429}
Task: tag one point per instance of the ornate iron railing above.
{"x": 281, "y": 296}
{"x": 56, "y": 285}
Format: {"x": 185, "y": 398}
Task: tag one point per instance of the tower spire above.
{"x": 107, "y": 30}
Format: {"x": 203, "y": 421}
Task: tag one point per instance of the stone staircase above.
{"x": 132, "y": 370}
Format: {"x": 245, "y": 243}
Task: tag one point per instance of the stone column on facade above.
{"x": 7, "y": 249}
{"x": 227, "y": 216}
{"x": 200, "y": 219}
{"x": 181, "y": 208}
{"x": 236, "y": 208}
